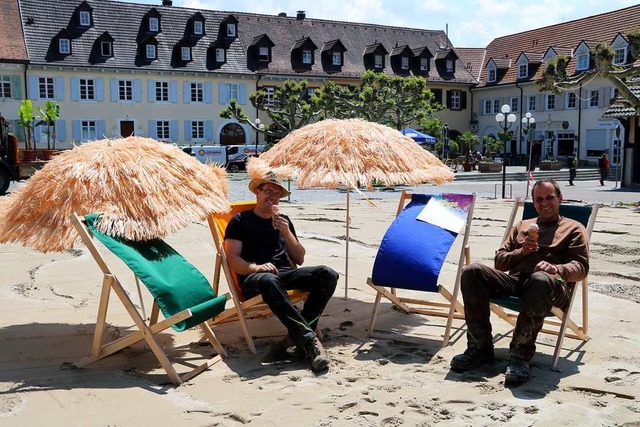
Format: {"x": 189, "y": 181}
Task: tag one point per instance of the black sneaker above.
{"x": 472, "y": 358}
{"x": 278, "y": 351}
{"x": 316, "y": 355}
{"x": 517, "y": 373}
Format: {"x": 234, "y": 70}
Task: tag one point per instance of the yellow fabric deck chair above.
{"x": 413, "y": 252}
{"x": 558, "y": 321}
{"x": 243, "y": 309}
{"x": 180, "y": 291}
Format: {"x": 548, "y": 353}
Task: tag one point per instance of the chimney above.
{"x": 282, "y": 14}
{"x": 167, "y": 3}
{"x": 301, "y": 15}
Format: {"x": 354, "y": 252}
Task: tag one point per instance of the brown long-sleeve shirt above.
{"x": 563, "y": 243}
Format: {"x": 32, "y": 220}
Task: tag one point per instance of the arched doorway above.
{"x": 232, "y": 134}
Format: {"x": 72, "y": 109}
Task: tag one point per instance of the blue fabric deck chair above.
{"x": 558, "y": 321}
{"x": 179, "y": 290}
{"x": 414, "y": 250}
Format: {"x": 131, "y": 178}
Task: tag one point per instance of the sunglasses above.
{"x": 271, "y": 193}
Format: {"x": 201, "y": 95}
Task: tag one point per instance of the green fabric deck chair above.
{"x": 558, "y": 321}
{"x": 180, "y": 292}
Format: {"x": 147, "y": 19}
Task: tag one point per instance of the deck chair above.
{"x": 180, "y": 291}
{"x": 412, "y": 253}
{"x": 558, "y": 321}
{"x": 243, "y": 309}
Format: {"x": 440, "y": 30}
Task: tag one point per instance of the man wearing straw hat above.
{"x": 261, "y": 246}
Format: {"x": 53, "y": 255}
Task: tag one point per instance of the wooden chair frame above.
{"x": 146, "y": 329}
{"x": 559, "y": 324}
{"x": 242, "y": 310}
{"x": 452, "y": 309}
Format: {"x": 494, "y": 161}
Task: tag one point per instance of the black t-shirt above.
{"x": 261, "y": 243}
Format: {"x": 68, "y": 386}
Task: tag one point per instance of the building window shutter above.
{"x": 137, "y": 90}
{"x": 208, "y": 93}
{"x": 58, "y": 88}
{"x": 223, "y": 94}
{"x": 208, "y": 130}
{"x": 100, "y": 129}
{"x": 76, "y": 128}
{"x": 34, "y": 93}
{"x": 173, "y": 91}
{"x": 151, "y": 90}
{"x": 186, "y": 92}
{"x": 153, "y": 129}
{"x": 187, "y": 130}
{"x": 243, "y": 93}
{"x": 448, "y": 99}
{"x": 437, "y": 95}
{"x": 100, "y": 90}
{"x": 75, "y": 90}
{"x": 61, "y": 131}
{"x": 463, "y": 100}
{"x": 173, "y": 130}
{"x": 114, "y": 90}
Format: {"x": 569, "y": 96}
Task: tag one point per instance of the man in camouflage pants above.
{"x": 538, "y": 269}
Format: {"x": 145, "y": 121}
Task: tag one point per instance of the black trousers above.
{"x": 538, "y": 292}
{"x": 319, "y": 281}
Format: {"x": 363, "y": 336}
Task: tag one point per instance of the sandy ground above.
{"x": 399, "y": 376}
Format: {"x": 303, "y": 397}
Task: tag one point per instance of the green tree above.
{"x": 48, "y": 116}
{"x": 394, "y": 101}
{"x": 26, "y": 119}
{"x": 291, "y": 109}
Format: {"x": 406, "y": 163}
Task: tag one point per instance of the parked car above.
{"x": 238, "y": 162}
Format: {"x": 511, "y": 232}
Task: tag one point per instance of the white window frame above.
{"x": 197, "y": 130}
{"x": 336, "y": 58}
{"x": 620, "y": 56}
{"x": 514, "y": 103}
{"x": 64, "y": 45}
{"x": 582, "y": 62}
{"x": 377, "y": 61}
{"x": 87, "y": 87}
{"x": 311, "y": 91}
{"x": 496, "y": 106}
{"x": 486, "y": 106}
{"x": 105, "y": 48}
{"x": 523, "y": 70}
{"x": 492, "y": 75}
{"x": 455, "y": 100}
{"x": 594, "y": 98}
{"x": 571, "y": 102}
{"x": 85, "y": 18}
{"x": 5, "y": 87}
{"x": 531, "y": 103}
{"x": 233, "y": 91}
{"x": 198, "y": 27}
{"x": 307, "y": 57}
{"x": 424, "y": 64}
{"x": 185, "y": 53}
{"x": 231, "y": 30}
{"x": 270, "y": 93}
{"x": 125, "y": 90}
{"x": 150, "y": 51}
{"x": 163, "y": 130}
{"x": 197, "y": 92}
{"x": 46, "y": 88}
{"x": 550, "y": 101}
{"x": 162, "y": 91}
{"x": 404, "y": 62}
{"x": 154, "y": 24}
{"x": 220, "y": 54}
{"x": 449, "y": 65}
{"x": 263, "y": 53}
{"x": 88, "y": 130}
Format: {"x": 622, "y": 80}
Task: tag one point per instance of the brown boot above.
{"x": 316, "y": 355}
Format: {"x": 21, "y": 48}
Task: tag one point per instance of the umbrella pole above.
{"x": 346, "y": 258}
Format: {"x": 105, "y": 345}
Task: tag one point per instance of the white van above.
{"x": 211, "y": 154}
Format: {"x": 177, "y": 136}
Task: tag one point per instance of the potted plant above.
{"x": 26, "y": 119}
{"x": 551, "y": 163}
{"x": 48, "y": 117}
{"x": 488, "y": 165}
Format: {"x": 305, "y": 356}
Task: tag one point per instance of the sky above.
{"x": 470, "y": 23}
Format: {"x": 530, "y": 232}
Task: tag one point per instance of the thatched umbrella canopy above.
{"x": 352, "y": 153}
{"x": 144, "y": 189}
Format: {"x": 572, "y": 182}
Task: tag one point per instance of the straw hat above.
{"x": 257, "y": 182}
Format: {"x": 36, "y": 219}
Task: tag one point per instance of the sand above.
{"x": 399, "y": 376}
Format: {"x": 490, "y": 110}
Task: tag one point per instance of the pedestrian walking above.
{"x": 604, "y": 166}
{"x": 573, "y": 165}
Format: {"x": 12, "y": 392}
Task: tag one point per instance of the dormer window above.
{"x": 64, "y": 46}
{"x": 185, "y": 53}
{"x": 307, "y": 57}
{"x": 582, "y": 62}
{"x": 150, "y": 51}
{"x": 523, "y": 71}
{"x": 424, "y": 64}
{"x": 263, "y": 53}
{"x": 620, "y": 56}
{"x": 491, "y": 75}
{"x": 105, "y": 49}
{"x": 231, "y": 29}
{"x": 198, "y": 28}
{"x": 449, "y": 65}
{"x": 378, "y": 61}
{"x": 404, "y": 63}
{"x": 336, "y": 58}
{"x": 154, "y": 24}
{"x": 85, "y": 19}
{"x": 220, "y": 54}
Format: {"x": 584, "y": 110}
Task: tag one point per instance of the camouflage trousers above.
{"x": 538, "y": 292}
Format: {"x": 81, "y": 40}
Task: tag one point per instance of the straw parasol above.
{"x": 353, "y": 153}
{"x": 144, "y": 189}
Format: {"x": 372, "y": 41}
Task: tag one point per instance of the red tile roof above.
{"x": 473, "y": 58}
{"x": 12, "y": 47}
{"x": 600, "y": 28}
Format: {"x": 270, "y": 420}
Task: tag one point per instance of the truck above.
{"x": 14, "y": 163}
{"x": 222, "y": 154}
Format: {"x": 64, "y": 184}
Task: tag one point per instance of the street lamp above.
{"x": 259, "y": 127}
{"x": 505, "y": 120}
{"x": 445, "y": 142}
{"x": 528, "y": 127}
{"x": 617, "y": 154}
